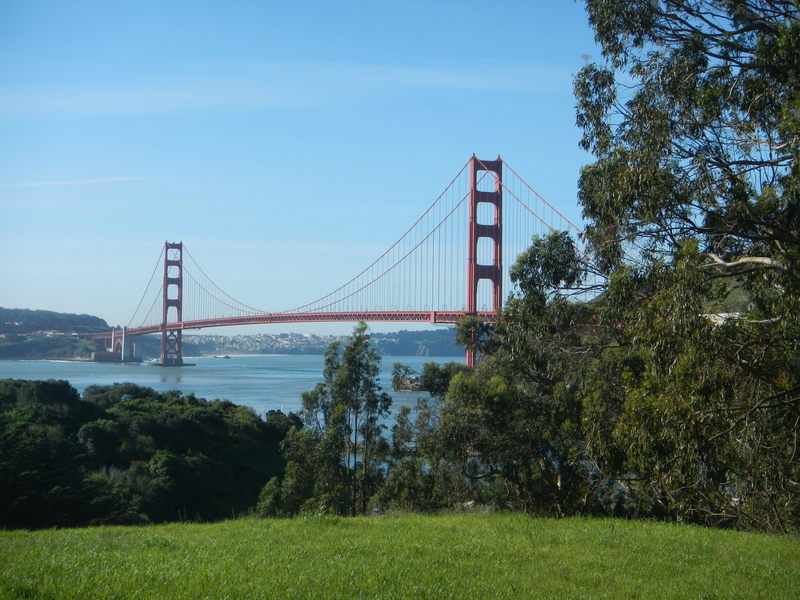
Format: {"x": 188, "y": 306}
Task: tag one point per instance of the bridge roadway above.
{"x": 433, "y": 317}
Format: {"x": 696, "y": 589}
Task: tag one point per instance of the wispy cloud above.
{"x": 265, "y": 85}
{"x": 94, "y": 181}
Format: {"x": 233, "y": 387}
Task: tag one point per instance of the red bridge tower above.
{"x": 171, "y": 341}
{"x": 493, "y": 171}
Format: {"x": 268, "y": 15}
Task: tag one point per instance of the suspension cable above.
{"x": 146, "y": 289}
{"x": 299, "y": 308}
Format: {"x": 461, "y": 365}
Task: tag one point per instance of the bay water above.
{"x": 262, "y": 382}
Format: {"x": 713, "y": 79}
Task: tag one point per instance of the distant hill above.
{"x": 26, "y": 321}
{"x": 433, "y": 342}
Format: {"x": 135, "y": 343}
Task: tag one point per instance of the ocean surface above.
{"x": 263, "y": 382}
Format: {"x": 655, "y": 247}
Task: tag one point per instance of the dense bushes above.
{"x": 127, "y": 454}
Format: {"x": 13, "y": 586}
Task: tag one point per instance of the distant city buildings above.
{"x": 262, "y": 343}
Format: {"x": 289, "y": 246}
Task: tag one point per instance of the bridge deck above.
{"x": 433, "y": 317}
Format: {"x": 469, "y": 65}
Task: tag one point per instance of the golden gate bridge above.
{"x": 451, "y": 263}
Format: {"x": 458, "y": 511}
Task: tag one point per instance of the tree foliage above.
{"x": 126, "y": 454}
{"x": 335, "y": 463}
{"x": 515, "y": 421}
{"x": 508, "y": 433}
{"x": 693, "y": 119}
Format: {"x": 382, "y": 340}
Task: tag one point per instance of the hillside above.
{"x": 433, "y": 342}
{"x": 448, "y": 556}
{"x": 38, "y": 334}
{"x": 17, "y": 346}
{"x": 26, "y": 321}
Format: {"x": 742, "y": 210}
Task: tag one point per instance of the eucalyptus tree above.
{"x": 335, "y": 462}
{"x": 514, "y": 423}
{"x": 693, "y": 115}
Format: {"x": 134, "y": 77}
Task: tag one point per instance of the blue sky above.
{"x": 287, "y": 144}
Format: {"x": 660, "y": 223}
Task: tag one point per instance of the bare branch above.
{"x": 764, "y": 261}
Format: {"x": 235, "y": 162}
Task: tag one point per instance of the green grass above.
{"x": 449, "y": 556}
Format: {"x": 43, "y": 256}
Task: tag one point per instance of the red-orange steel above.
{"x": 442, "y": 317}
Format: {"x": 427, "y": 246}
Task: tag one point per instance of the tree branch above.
{"x": 764, "y": 261}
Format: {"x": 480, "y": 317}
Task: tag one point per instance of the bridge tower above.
{"x": 481, "y": 171}
{"x": 171, "y": 340}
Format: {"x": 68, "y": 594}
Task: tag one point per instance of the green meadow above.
{"x": 406, "y": 556}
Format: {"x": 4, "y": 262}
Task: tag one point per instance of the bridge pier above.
{"x": 114, "y": 346}
{"x": 127, "y": 347}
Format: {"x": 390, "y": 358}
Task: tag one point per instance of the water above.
{"x": 263, "y": 382}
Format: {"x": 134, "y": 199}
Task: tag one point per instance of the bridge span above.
{"x": 456, "y": 254}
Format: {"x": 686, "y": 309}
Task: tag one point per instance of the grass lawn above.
{"x": 410, "y": 556}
